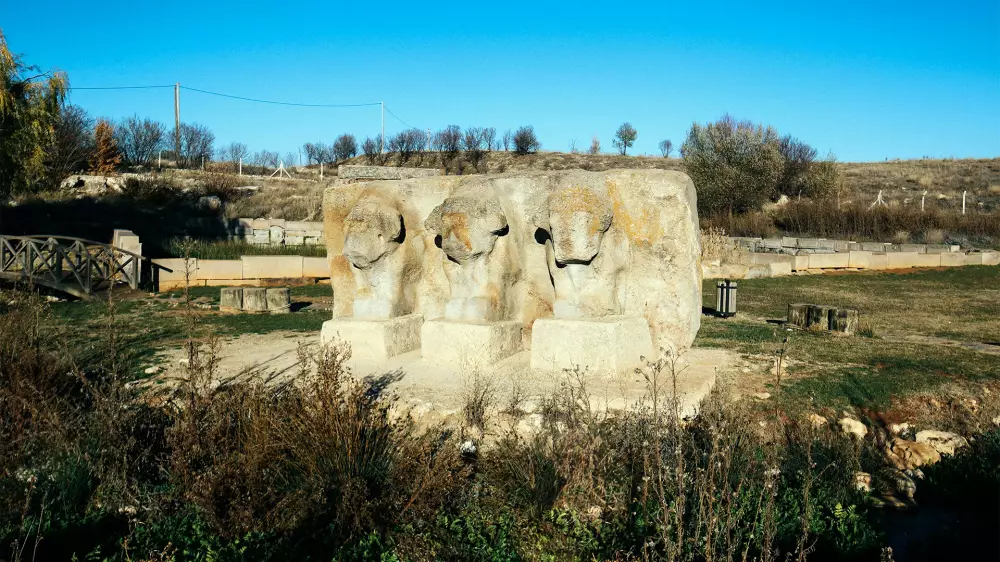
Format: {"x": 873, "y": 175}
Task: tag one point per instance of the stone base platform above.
{"x": 375, "y": 340}
{"x": 600, "y": 345}
{"x": 469, "y": 344}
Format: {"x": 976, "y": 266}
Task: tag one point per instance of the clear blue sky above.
{"x": 866, "y": 80}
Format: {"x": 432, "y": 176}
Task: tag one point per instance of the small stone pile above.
{"x": 823, "y": 317}
{"x": 275, "y": 300}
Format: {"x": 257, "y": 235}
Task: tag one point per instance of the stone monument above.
{"x": 549, "y": 270}
{"x": 483, "y": 268}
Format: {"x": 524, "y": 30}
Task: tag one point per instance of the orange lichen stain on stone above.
{"x": 642, "y": 229}
{"x": 340, "y": 267}
{"x": 579, "y": 199}
{"x": 457, "y": 224}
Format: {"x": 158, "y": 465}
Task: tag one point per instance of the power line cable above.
{"x": 279, "y": 102}
{"x": 398, "y": 119}
{"x": 118, "y": 87}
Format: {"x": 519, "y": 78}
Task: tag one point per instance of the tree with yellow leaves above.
{"x": 106, "y": 156}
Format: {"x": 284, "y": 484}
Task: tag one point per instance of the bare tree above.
{"x": 508, "y": 139}
{"x": 406, "y": 143}
{"x": 666, "y": 147}
{"x": 346, "y": 146}
{"x": 371, "y": 148}
{"x": 572, "y": 147}
{"x": 475, "y": 144}
{"x": 490, "y": 137}
{"x": 196, "y": 145}
{"x": 625, "y": 137}
{"x": 311, "y": 153}
{"x": 449, "y": 141}
{"x": 291, "y": 159}
{"x": 265, "y": 159}
{"x": 237, "y": 152}
{"x": 72, "y": 143}
{"x": 525, "y": 141}
{"x": 139, "y": 139}
{"x": 595, "y": 145}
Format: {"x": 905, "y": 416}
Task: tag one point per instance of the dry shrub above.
{"x": 715, "y": 245}
{"x": 221, "y": 184}
{"x": 323, "y": 457}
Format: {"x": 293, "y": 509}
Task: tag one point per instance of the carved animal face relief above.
{"x": 577, "y": 220}
{"x": 372, "y": 229}
{"x": 585, "y": 257}
{"x": 468, "y": 227}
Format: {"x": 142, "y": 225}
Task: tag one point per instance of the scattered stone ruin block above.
{"x": 844, "y": 320}
{"x": 819, "y": 317}
{"x": 377, "y": 340}
{"x": 823, "y": 317}
{"x": 254, "y": 299}
{"x": 231, "y": 298}
{"x": 279, "y": 300}
{"x": 798, "y": 314}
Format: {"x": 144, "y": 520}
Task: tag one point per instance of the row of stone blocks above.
{"x": 276, "y": 300}
{"x": 823, "y": 317}
{"x": 599, "y": 345}
{"x": 791, "y": 245}
{"x": 248, "y": 270}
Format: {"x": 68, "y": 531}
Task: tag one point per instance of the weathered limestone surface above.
{"x": 279, "y": 300}
{"x": 469, "y": 344}
{"x": 231, "y": 298}
{"x": 518, "y": 248}
{"x": 377, "y": 340}
{"x": 608, "y": 344}
{"x": 254, "y": 299}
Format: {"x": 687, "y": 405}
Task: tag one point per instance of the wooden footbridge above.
{"x": 72, "y": 265}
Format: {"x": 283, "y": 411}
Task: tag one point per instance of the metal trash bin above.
{"x": 725, "y": 298}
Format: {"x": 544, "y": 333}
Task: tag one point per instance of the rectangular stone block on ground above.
{"x": 898, "y": 260}
{"x": 810, "y": 243}
{"x": 220, "y": 269}
{"x": 952, "y": 259}
{"x": 231, "y": 298}
{"x": 375, "y": 340}
{"x": 819, "y": 316}
{"x": 272, "y": 267}
{"x": 973, "y": 258}
{"x": 918, "y": 248}
{"x": 279, "y": 300}
{"x": 780, "y": 269}
{"x": 927, "y": 260}
{"x": 603, "y": 345}
{"x": 759, "y": 258}
{"x": 798, "y": 314}
{"x": 800, "y": 263}
{"x": 844, "y": 320}
{"x": 315, "y": 267}
{"x": 878, "y": 260}
{"x": 254, "y": 299}
{"x": 859, "y": 259}
{"x": 829, "y": 261}
{"x": 991, "y": 258}
{"x": 230, "y": 282}
{"x": 469, "y": 344}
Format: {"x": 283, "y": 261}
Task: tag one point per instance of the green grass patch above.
{"x": 234, "y": 249}
{"x": 237, "y": 324}
{"x": 908, "y": 311}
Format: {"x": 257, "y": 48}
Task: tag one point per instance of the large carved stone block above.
{"x": 375, "y": 340}
{"x": 469, "y": 344}
{"x": 521, "y": 248}
{"x": 611, "y": 344}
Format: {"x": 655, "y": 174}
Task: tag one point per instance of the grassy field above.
{"x": 934, "y": 331}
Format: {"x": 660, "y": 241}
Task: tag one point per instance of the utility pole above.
{"x": 177, "y": 122}
{"x": 381, "y": 149}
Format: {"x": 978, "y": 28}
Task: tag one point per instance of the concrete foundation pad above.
{"x": 471, "y": 344}
{"x": 375, "y": 340}
{"x": 601, "y": 345}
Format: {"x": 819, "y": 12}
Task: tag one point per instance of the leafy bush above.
{"x": 525, "y": 141}
{"x": 738, "y": 166}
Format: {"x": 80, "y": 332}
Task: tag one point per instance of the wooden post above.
{"x": 177, "y": 121}
{"x": 964, "y": 193}
{"x": 241, "y": 165}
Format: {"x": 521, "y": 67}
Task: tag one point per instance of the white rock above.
{"x": 152, "y": 370}
{"x": 944, "y": 442}
{"x": 817, "y": 420}
{"x": 853, "y": 427}
{"x": 863, "y": 481}
{"x": 468, "y": 447}
{"x": 897, "y": 428}
{"x": 762, "y": 395}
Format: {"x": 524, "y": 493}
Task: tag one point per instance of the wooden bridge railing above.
{"x": 73, "y": 265}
